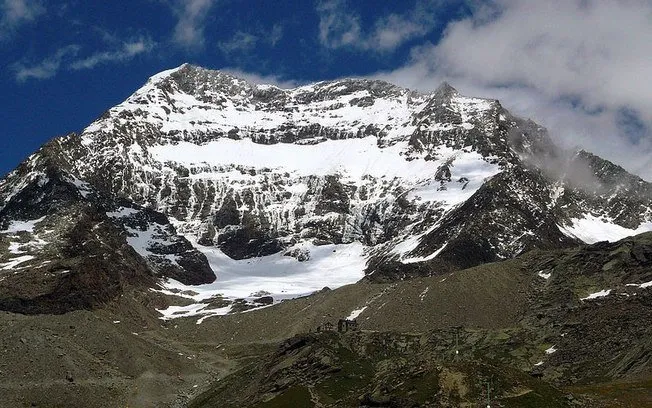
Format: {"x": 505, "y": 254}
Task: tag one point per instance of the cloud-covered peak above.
{"x": 570, "y": 65}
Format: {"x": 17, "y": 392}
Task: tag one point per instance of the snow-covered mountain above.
{"x": 284, "y": 191}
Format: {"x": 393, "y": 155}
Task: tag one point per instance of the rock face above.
{"x": 67, "y": 246}
{"x": 198, "y": 160}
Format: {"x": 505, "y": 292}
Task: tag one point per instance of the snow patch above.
{"x": 424, "y": 258}
{"x": 354, "y": 314}
{"x": 597, "y": 295}
{"x": 22, "y": 226}
{"x": 641, "y": 285}
{"x": 351, "y": 158}
{"x": 14, "y": 248}
{"x": 354, "y": 157}
{"x": 83, "y": 187}
{"x": 544, "y": 275}
{"x": 143, "y": 241}
{"x": 424, "y": 293}
{"x": 591, "y": 229}
{"x": 196, "y": 309}
{"x": 14, "y": 262}
{"x": 122, "y": 212}
{"x": 18, "y": 248}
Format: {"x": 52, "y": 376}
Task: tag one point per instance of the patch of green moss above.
{"x": 422, "y": 388}
{"x": 354, "y": 374}
{"x": 297, "y": 397}
{"x": 534, "y": 399}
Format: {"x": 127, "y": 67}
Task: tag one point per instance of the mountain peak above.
{"x": 196, "y": 80}
{"x": 445, "y": 90}
{"x": 410, "y": 183}
{"x": 158, "y": 77}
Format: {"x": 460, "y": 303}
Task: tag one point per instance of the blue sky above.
{"x": 579, "y": 67}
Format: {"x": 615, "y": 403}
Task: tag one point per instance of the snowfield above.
{"x": 281, "y": 277}
{"x": 351, "y": 158}
{"x": 597, "y": 295}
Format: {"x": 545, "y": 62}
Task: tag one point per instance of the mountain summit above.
{"x": 200, "y": 175}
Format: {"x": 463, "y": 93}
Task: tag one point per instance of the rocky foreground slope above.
{"x": 282, "y": 192}
{"x": 562, "y": 328}
{"x": 538, "y": 331}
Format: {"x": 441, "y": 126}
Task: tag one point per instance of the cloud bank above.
{"x": 579, "y": 67}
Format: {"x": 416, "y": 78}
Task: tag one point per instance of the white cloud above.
{"x": 337, "y": 27}
{"x": 127, "y": 51}
{"x": 46, "y": 68}
{"x": 572, "y": 65}
{"x": 246, "y": 41}
{"x": 599, "y": 51}
{"x": 395, "y": 29}
{"x": 254, "y": 78}
{"x": 392, "y": 31}
{"x": 18, "y": 12}
{"x": 340, "y": 27}
{"x": 275, "y": 35}
{"x": 189, "y": 31}
{"x": 65, "y": 58}
{"x": 240, "y": 41}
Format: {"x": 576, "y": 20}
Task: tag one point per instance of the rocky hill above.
{"x": 549, "y": 328}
